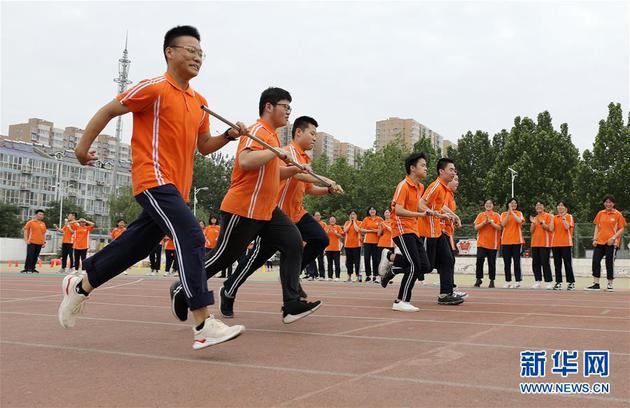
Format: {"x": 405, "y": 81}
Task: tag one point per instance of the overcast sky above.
{"x": 453, "y": 66}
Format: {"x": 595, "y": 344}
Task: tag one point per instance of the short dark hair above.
{"x": 442, "y": 163}
{"x": 119, "y": 220}
{"x": 73, "y": 213}
{"x": 40, "y": 211}
{"x": 210, "y": 220}
{"x": 507, "y": 203}
{"x": 273, "y": 96}
{"x": 302, "y": 123}
{"x": 352, "y": 211}
{"x": 563, "y": 202}
{"x": 538, "y": 200}
{"x": 488, "y": 199}
{"x": 369, "y": 208}
{"x": 412, "y": 160}
{"x": 179, "y": 31}
{"x": 608, "y": 197}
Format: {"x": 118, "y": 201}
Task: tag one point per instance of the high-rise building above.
{"x": 324, "y": 144}
{"x": 408, "y": 131}
{"x": 43, "y": 133}
{"x": 284, "y": 134}
{"x": 445, "y": 145}
{"x": 31, "y": 176}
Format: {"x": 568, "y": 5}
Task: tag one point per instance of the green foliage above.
{"x": 123, "y": 205}
{"x": 52, "y": 211}
{"x": 606, "y": 169}
{"x": 10, "y": 223}
{"x": 212, "y": 171}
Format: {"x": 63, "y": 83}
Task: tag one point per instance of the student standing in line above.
{"x": 352, "y": 244}
{"x": 66, "y": 243}
{"x": 82, "y": 229}
{"x": 511, "y": 242}
{"x": 121, "y": 226}
{"x": 369, "y": 226}
{"x": 170, "y": 256}
{"x": 488, "y": 227}
{"x": 35, "y": 238}
{"x": 333, "y": 250}
{"x": 541, "y": 230}
{"x": 155, "y": 258}
{"x": 562, "y": 245}
{"x": 609, "y": 226}
{"x": 320, "y": 257}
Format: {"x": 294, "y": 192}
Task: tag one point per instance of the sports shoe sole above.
{"x": 288, "y": 319}
{"x": 452, "y": 302}
{"x": 183, "y": 316}
{"x": 202, "y": 344}
{"x": 225, "y": 313}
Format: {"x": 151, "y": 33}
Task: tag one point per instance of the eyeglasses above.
{"x": 286, "y": 106}
{"x": 192, "y": 50}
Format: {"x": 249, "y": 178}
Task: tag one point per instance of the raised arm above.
{"x": 94, "y": 128}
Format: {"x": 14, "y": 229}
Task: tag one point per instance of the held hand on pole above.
{"x": 281, "y": 154}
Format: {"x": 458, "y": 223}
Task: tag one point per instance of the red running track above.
{"x": 127, "y": 349}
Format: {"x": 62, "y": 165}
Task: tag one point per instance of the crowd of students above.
{"x": 262, "y": 212}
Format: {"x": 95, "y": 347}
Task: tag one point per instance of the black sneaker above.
{"x": 594, "y": 286}
{"x": 294, "y": 311}
{"x": 491, "y": 285}
{"x": 23, "y": 271}
{"x": 227, "y": 304}
{"x": 571, "y": 286}
{"x": 179, "y": 306}
{"x": 557, "y": 286}
{"x": 478, "y": 283}
{"x": 34, "y": 271}
{"x": 302, "y": 294}
{"x": 449, "y": 299}
{"x": 368, "y": 278}
{"x": 389, "y": 275}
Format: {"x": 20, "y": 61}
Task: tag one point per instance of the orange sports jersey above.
{"x": 36, "y": 232}
{"x": 292, "y": 190}
{"x": 166, "y": 123}
{"x": 385, "y": 240}
{"x": 334, "y": 241}
{"x": 211, "y": 233}
{"x": 82, "y": 236}
{"x": 447, "y": 225}
{"x": 608, "y": 223}
{"x": 562, "y": 237}
{"x": 353, "y": 237}
{"x": 487, "y": 236}
{"x": 68, "y": 234}
{"x": 540, "y": 236}
{"x": 371, "y": 223}
{"x": 323, "y": 224}
{"x": 169, "y": 245}
{"x": 512, "y": 233}
{"x": 435, "y": 196}
{"x": 253, "y": 193}
{"x": 117, "y": 231}
{"x": 408, "y": 195}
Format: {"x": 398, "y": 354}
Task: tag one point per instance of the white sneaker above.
{"x": 549, "y": 286}
{"x": 336, "y": 279}
{"x": 125, "y": 273}
{"x": 536, "y": 285}
{"x": 72, "y": 303}
{"x": 214, "y": 332}
{"x": 517, "y": 285}
{"x": 404, "y": 307}
{"x": 385, "y": 265}
{"x": 460, "y": 294}
{"x": 507, "y": 285}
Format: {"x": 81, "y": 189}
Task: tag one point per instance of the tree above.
{"x": 10, "y": 223}
{"x": 52, "y": 211}
{"x": 213, "y": 171}
{"x": 123, "y": 206}
{"x": 474, "y": 157}
{"x": 606, "y": 170}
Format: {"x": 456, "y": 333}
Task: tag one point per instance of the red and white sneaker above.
{"x": 214, "y": 331}
{"x": 72, "y": 303}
